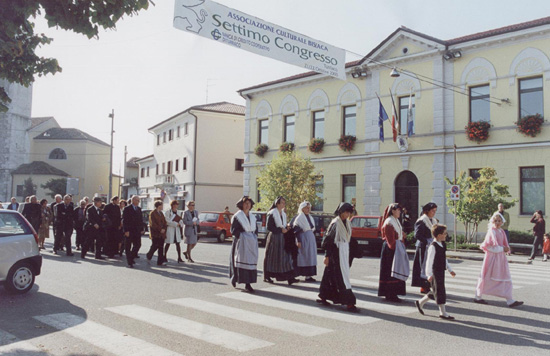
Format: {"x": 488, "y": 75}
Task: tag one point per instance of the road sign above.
{"x": 455, "y": 192}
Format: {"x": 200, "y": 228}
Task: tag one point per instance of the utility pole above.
{"x": 125, "y": 163}
{"x": 454, "y": 229}
{"x": 112, "y": 116}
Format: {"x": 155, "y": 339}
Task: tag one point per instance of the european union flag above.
{"x": 382, "y": 116}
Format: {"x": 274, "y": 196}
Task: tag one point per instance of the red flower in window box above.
{"x": 530, "y": 125}
{"x": 347, "y": 142}
{"x": 316, "y": 145}
{"x": 478, "y": 131}
{"x": 286, "y": 147}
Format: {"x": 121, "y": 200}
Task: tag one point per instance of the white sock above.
{"x": 477, "y": 297}
{"x": 423, "y": 300}
{"x": 442, "y": 310}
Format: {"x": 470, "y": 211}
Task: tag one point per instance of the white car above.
{"x": 20, "y": 260}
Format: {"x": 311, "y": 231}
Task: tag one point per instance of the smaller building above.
{"x": 197, "y": 155}
{"x": 129, "y": 186}
{"x": 40, "y": 173}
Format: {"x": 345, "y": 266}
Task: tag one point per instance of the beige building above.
{"x": 498, "y": 76}
{"x": 198, "y": 155}
{"x": 79, "y": 155}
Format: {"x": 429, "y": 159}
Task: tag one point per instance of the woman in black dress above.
{"x": 424, "y": 238}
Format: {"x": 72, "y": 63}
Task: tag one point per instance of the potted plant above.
{"x": 347, "y": 142}
{"x": 478, "y": 131}
{"x": 316, "y": 145}
{"x": 530, "y": 125}
{"x": 286, "y": 147}
{"x": 261, "y": 149}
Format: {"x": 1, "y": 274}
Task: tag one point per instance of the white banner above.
{"x": 212, "y": 20}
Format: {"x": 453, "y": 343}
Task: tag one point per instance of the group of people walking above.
{"x": 291, "y": 251}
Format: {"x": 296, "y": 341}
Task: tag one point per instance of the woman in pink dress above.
{"x": 495, "y": 278}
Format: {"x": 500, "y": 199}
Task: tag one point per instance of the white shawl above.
{"x": 280, "y": 219}
{"x": 343, "y": 232}
{"x": 396, "y": 225}
{"x": 248, "y": 225}
{"x": 427, "y": 221}
{"x": 302, "y": 220}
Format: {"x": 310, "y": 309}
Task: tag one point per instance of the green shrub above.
{"x": 521, "y": 237}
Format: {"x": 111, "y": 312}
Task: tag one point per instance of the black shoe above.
{"x": 323, "y": 302}
{"x": 480, "y": 301}
{"x": 130, "y": 266}
{"x": 448, "y": 317}
{"x": 310, "y": 279}
{"x": 99, "y": 258}
{"x": 180, "y": 260}
{"x": 353, "y": 309}
{"x": 395, "y": 299}
{"x": 234, "y": 284}
{"x": 419, "y": 307}
{"x": 136, "y": 256}
{"x": 515, "y": 304}
{"x": 185, "y": 255}
{"x": 249, "y": 288}
{"x": 268, "y": 280}
{"x": 292, "y": 281}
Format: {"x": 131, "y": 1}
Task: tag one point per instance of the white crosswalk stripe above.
{"x": 12, "y": 346}
{"x": 102, "y": 336}
{"x": 267, "y": 321}
{"x": 309, "y": 308}
{"x": 211, "y": 334}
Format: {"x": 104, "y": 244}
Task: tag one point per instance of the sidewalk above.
{"x": 520, "y": 258}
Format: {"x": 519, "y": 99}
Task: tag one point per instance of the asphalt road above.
{"x": 89, "y": 307}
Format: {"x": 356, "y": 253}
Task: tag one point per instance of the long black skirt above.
{"x": 240, "y": 275}
{"x": 333, "y": 287}
{"x": 389, "y": 286}
{"x": 417, "y": 280}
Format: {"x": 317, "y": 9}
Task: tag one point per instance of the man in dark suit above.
{"x": 57, "y": 242}
{"x": 33, "y": 213}
{"x": 132, "y": 224}
{"x": 94, "y": 228}
{"x": 114, "y": 216}
{"x": 14, "y": 205}
{"x": 64, "y": 222}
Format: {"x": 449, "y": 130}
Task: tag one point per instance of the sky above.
{"x": 146, "y": 70}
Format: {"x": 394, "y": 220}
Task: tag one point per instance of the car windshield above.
{"x": 364, "y": 222}
{"x": 208, "y": 217}
{"x": 13, "y": 224}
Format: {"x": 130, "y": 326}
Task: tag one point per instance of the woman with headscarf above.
{"x": 336, "y": 285}
{"x": 391, "y": 284}
{"x": 306, "y": 260}
{"x": 424, "y": 238}
{"x": 243, "y": 266}
{"x": 495, "y": 278}
{"x": 278, "y": 262}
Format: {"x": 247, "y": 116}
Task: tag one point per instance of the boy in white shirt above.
{"x": 436, "y": 264}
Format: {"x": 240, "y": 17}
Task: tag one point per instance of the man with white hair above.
{"x": 33, "y": 213}
{"x": 132, "y": 225}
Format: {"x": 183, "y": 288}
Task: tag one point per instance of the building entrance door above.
{"x": 406, "y": 194}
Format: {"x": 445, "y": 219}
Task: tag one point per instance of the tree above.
{"x": 479, "y": 199}
{"x": 19, "y": 62}
{"x": 55, "y": 186}
{"x": 291, "y": 176}
{"x": 28, "y": 188}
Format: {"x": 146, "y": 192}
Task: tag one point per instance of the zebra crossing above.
{"x": 287, "y": 310}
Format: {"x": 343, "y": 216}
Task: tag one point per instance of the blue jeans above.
{"x": 507, "y": 236}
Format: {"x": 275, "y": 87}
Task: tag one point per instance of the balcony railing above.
{"x": 165, "y": 180}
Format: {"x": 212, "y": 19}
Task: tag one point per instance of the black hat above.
{"x": 343, "y": 207}
{"x": 240, "y": 203}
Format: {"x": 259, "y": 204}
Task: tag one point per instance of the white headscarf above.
{"x": 280, "y": 218}
{"x": 492, "y": 219}
{"x": 248, "y": 225}
{"x": 303, "y": 220}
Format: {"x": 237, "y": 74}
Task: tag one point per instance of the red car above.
{"x": 215, "y": 224}
{"x": 366, "y": 231}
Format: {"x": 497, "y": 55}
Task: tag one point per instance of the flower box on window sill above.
{"x": 286, "y": 147}
{"x": 530, "y": 125}
{"x": 347, "y": 142}
{"x": 478, "y": 131}
{"x": 261, "y": 149}
{"x": 316, "y": 145}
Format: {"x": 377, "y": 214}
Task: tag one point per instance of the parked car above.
{"x": 261, "y": 223}
{"x": 215, "y": 224}
{"x": 366, "y": 230}
{"x": 322, "y": 221}
{"x": 20, "y": 260}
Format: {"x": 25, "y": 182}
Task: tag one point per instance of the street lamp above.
{"x": 112, "y": 116}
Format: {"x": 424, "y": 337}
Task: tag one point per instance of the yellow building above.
{"x": 497, "y": 76}
{"x": 65, "y": 152}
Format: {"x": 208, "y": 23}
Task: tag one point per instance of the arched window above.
{"x": 58, "y": 153}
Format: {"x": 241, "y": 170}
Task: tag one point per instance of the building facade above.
{"x": 498, "y": 76}
{"x": 198, "y": 155}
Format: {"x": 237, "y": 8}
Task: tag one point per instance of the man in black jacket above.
{"x": 33, "y": 213}
{"x": 94, "y": 228}
{"x": 57, "y": 242}
{"x": 132, "y": 224}
{"x": 64, "y": 222}
{"x": 14, "y": 205}
{"x": 114, "y": 226}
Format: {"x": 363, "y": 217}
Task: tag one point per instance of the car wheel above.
{"x": 20, "y": 278}
{"x": 221, "y": 238}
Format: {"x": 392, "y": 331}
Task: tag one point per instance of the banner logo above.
{"x": 190, "y": 14}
